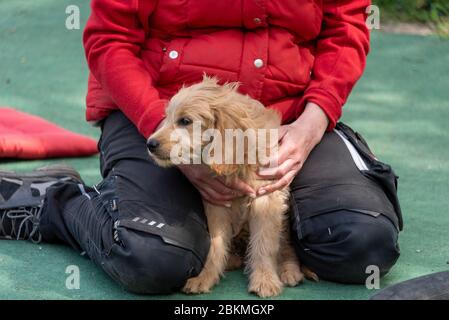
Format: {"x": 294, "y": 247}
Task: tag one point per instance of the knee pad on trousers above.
{"x": 146, "y": 264}
{"x": 343, "y": 252}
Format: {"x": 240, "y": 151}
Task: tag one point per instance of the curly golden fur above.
{"x": 270, "y": 258}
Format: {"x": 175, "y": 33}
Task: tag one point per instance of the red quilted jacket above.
{"x": 283, "y": 52}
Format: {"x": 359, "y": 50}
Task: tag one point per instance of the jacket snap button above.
{"x": 258, "y": 63}
{"x": 257, "y": 21}
{"x": 173, "y": 54}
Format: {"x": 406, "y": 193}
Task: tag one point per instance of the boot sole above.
{"x": 51, "y": 171}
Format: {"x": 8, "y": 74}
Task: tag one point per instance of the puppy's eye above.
{"x": 184, "y": 121}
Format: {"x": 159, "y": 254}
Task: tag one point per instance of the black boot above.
{"x": 22, "y": 198}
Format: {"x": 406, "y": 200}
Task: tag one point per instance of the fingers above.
{"x": 278, "y": 185}
{"x": 277, "y": 172}
{"x": 211, "y": 189}
{"x": 221, "y": 188}
{"x": 282, "y": 131}
{"x": 206, "y": 197}
{"x": 242, "y": 187}
{"x": 216, "y": 192}
{"x": 287, "y": 152}
{"x": 284, "y": 152}
{"x": 217, "y": 195}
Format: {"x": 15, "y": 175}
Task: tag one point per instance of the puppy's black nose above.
{"x": 152, "y": 144}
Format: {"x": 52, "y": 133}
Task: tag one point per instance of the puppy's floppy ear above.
{"x": 231, "y": 116}
{"x": 225, "y": 120}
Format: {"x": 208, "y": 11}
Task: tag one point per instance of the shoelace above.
{"x": 28, "y": 217}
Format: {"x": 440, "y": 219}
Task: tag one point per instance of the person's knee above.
{"x": 148, "y": 265}
{"x": 355, "y": 252}
{"x": 368, "y": 250}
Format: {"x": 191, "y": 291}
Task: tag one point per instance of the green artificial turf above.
{"x": 401, "y": 106}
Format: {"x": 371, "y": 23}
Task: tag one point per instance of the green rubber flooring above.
{"x": 401, "y": 106}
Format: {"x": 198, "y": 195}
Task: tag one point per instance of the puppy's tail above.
{"x": 309, "y": 274}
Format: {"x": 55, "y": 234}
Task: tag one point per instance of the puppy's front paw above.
{"x": 265, "y": 284}
{"x": 291, "y": 275}
{"x": 199, "y": 284}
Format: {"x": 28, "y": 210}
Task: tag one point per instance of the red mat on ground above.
{"x": 24, "y": 136}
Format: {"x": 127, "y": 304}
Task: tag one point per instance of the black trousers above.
{"x": 145, "y": 225}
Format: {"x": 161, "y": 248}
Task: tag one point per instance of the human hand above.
{"x": 296, "y": 141}
{"x": 213, "y": 189}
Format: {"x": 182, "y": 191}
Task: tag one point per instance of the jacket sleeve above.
{"x": 113, "y": 39}
{"x": 340, "y": 57}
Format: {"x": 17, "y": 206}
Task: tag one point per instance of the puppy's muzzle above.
{"x": 152, "y": 145}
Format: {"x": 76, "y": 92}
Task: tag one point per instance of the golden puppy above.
{"x": 270, "y": 259}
